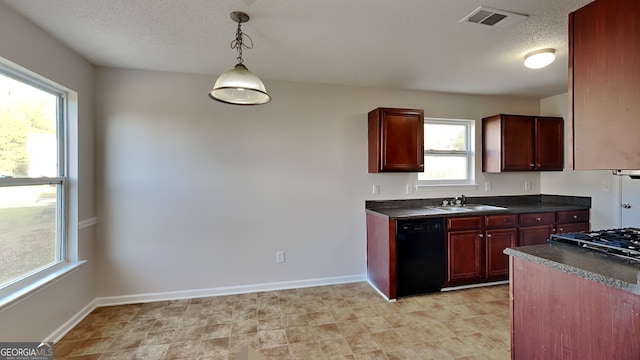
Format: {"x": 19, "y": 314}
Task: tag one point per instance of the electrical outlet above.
{"x": 409, "y": 188}
{"x": 279, "y": 257}
{"x": 487, "y": 186}
{"x": 376, "y": 189}
{"x": 527, "y": 185}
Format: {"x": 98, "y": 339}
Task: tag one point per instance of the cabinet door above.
{"x": 604, "y": 85}
{"x": 396, "y": 140}
{"x": 517, "y": 143}
{"x": 497, "y": 262}
{"x": 464, "y": 257}
{"x": 549, "y": 145}
{"x": 534, "y": 235}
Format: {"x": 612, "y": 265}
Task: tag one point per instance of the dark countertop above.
{"x": 419, "y": 208}
{"x": 588, "y": 264}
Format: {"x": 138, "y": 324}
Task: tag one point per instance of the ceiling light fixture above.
{"x": 239, "y": 86}
{"x": 539, "y": 58}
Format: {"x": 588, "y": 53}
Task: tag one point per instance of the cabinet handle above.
{"x": 531, "y": 165}
{"x": 488, "y": 235}
{"x": 575, "y": 216}
{"x": 537, "y": 165}
{"x": 561, "y": 229}
{"x": 481, "y": 235}
{"x": 538, "y": 219}
{"x": 554, "y": 230}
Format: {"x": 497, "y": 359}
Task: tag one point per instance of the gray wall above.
{"x": 39, "y": 315}
{"x": 199, "y": 195}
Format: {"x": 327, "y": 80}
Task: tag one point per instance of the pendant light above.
{"x": 239, "y": 86}
{"x": 539, "y": 58}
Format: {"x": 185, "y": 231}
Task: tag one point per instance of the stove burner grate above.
{"x": 623, "y": 243}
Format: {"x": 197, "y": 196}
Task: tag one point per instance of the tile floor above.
{"x": 347, "y": 321}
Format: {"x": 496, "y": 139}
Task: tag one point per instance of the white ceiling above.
{"x": 405, "y": 44}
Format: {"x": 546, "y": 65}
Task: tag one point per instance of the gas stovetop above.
{"x": 622, "y": 243}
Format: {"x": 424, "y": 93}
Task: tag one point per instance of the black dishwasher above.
{"x": 421, "y": 256}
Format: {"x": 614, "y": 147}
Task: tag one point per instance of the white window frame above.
{"x": 67, "y": 245}
{"x": 469, "y": 154}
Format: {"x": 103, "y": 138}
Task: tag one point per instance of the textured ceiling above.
{"x": 405, "y": 44}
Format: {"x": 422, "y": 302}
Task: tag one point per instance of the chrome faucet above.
{"x": 456, "y": 201}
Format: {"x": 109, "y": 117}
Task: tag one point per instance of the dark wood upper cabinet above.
{"x": 396, "y": 140}
{"x": 522, "y": 143}
{"x": 604, "y": 85}
{"x": 549, "y": 139}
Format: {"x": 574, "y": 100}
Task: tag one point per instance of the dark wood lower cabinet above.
{"x": 535, "y": 235}
{"x": 536, "y": 228}
{"x": 556, "y": 315}
{"x": 475, "y": 245}
{"x": 381, "y": 254}
{"x": 572, "y": 227}
{"x": 572, "y": 221}
{"x": 465, "y": 257}
{"x": 476, "y": 255}
{"x": 497, "y": 262}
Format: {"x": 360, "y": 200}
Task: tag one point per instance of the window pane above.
{"x": 444, "y": 168}
{"x": 28, "y": 144}
{"x": 445, "y": 137}
{"x": 28, "y": 230}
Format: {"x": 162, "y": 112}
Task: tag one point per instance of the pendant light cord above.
{"x": 238, "y": 42}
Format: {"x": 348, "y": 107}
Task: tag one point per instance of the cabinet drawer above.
{"x": 572, "y": 227}
{"x": 575, "y": 216}
{"x": 464, "y": 223}
{"x": 500, "y": 221}
{"x": 535, "y": 219}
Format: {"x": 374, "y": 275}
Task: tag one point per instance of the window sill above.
{"x": 36, "y": 286}
{"x": 422, "y": 187}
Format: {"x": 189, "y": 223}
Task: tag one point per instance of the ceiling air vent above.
{"x": 493, "y": 17}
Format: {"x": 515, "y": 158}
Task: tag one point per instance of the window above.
{"x": 448, "y": 152}
{"x": 33, "y": 178}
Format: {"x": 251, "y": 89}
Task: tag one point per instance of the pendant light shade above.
{"x": 239, "y": 86}
{"x": 539, "y": 58}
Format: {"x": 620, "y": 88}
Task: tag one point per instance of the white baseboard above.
{"x": 463, "y": 287}
{"x": 189, "y": 294}
{"x": 71, "y": 323}
{"x": 231, "y": 290}
{"x": 380, "y": 292}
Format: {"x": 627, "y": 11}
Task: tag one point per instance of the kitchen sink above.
{"x": 453, "y": 208}
{"x": 464, "y": 208}
{"x": 475, "y": 207}
{"x": 428, "y": 210}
